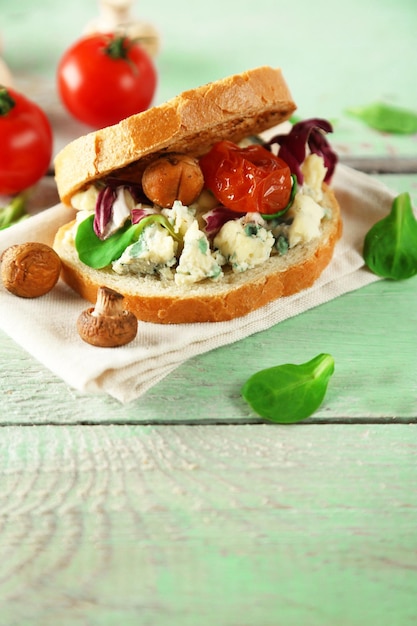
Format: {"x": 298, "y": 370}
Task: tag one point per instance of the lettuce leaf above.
{"x": 386, "y": 118}
{"x": 98, "y": 253}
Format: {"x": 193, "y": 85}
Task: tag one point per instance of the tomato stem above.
{"x": 7, "y": 103}
{"x": 118, "y": 48}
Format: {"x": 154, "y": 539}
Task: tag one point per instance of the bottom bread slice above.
{"x": 234, "y": 295}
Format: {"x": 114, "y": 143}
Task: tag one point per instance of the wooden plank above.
{"x": 304, "y": 525}
{"x": 321, "y": 88}
{"x": 382, "y": 165}
{"x": 371, "y": 334}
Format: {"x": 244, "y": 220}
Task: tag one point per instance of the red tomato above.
{"x": 104, "y": 78}
{"x": 247, "y": 180}
{"x": 26, "y": 142}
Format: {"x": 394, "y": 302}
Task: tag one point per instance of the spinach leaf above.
{"x": 289, "y": 393}
{"x": 390, "y": 246}
{"x": 99, "y": 253}
{"x": 386, "y": 118}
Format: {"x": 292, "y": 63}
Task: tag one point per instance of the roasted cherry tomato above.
{"x": 104, "y": 78}
{"x": 248, "y": 179}
{"x": 26, "y": 142}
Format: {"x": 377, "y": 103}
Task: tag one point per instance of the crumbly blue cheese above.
{"x": 70, "y": 233}
{"x": 153, "y": 253}
{"x": 206, "y": 201}
{"x": 244, "y": 245}
{"x": 180, "y": 217}
{"x": 196, "y": 262}
{"x": 85, "y": 200}
{"x": 314, "y": 171}
{"x": 307, "y": 216}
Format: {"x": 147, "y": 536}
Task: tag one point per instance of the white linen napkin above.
{"x": 46, "y": 326}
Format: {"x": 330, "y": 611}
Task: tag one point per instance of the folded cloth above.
{"x": 46, "y": 327}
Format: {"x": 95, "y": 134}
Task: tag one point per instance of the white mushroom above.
{"x": 5, "y": 74}
{"x": 116, "y": 16}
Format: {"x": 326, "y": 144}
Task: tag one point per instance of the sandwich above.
{"x": 196, "y": 210}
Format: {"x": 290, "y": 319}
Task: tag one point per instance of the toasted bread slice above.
{"x": 231, "y": 108}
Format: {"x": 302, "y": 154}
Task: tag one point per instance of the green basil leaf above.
{"x": 289, "y": 393}
{"x": 386, "y": 118}
{"x": 390, "y": 246}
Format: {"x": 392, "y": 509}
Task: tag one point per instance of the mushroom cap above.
{"x": 30, "y": 269}
{"x": 107, "y": 331}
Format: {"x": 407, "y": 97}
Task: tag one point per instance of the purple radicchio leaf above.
{"x": 217, "y": 217}
{"x": 139, "y": 212}
{"x": 103, "y": 211}
{"x": 137, "y": 194}
{"x": 308, "y": 133}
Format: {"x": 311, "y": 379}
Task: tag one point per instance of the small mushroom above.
{"x": 173, "y": 177}
{"x": 116, "y": 17}
{"x": 5, "y": 75}
{"x": 107, "y": 324}
{"x": 30, "y": 269}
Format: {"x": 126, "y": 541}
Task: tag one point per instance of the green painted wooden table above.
{"x": 182, "y": 508}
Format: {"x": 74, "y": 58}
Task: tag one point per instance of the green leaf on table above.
{"x": 289, "y": 393}
{"x": 390, "y": 246}
{"x": 13, "y": 212}
{"x": 386, "y": 118}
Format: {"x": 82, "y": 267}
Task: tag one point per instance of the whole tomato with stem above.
{"x": 26, "y": 142}
{"x": 246, "y": 180}
{"x": 103, "y": 78}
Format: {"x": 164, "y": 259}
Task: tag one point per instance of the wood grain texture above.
{"x": 371, "y": 334}
{"x": 381, "y": 165}
{"x": 388, "y": 27}
{"x": 228, "y": 525}
{"x": 335, "y": 74}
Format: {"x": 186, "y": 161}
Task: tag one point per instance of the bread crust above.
{"x": 231, "y": 108}
{"x": 208, "y": 301}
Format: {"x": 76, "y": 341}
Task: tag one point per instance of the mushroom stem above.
{"x": 116, "y": 12}
{"x": 107, "y": 324}
{"x": 109, "y": 303}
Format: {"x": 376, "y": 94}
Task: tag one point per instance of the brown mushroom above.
{"x": 30, "y": 269}
{"x": 107, "y": 325}
{"x": 173, "y": 177}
